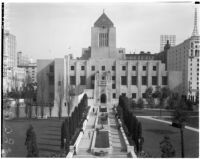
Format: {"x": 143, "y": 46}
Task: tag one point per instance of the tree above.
{"x": 16, "y": 94}
{"x": 180, "y": 117}
{"x": 60, "y": 96}
{"x": 41, "y": 87}
{"x": 29, "y": 94}
{"x": 140, "y": 103}
{"x": 149, "y": 96}
{"x": 167, "y": 148}
{"x": 162, "y": 94}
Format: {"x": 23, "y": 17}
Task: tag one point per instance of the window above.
{"x": 133, "y": 68}
{"x": 103, "y": 77}
{"x": 113, "y": 78}
{"x": 123, "y": 80}
{"x": 51, "y": 96}
{"x": 51, "y": 80}
{"x": 114, "y": 95}
{"x": 92, "y": 78}
{"x": 154, "y": 68}
{"x": 59, "y": 83}
{"x": 134, "y": 80}
{"x": 144, "y": 68}
{"x": 51, "y": 68}
{"x": 82, "y": 80}
{"x": 164, "y": 80}
{"x": 82, "y": 67}
{"x": 72, "y": 67}
{"x": 143, "y": 95}
{"x": 113, "y": 68}
{"x": 196, "y": 52}
{"x": 103, "y": 39}
{"x": 72, "y": 80}
{"x": 113, "y": 86}
{"x": 133, "y": 95}
{"x": 154, "y": 80}
{"x": 124, "y": 94}
{"x": 144, "y": 80}
{"x": 191, "y": 52}
{"x": 93, "y": 68}
{"x": 123, "y": 68}
{"x": 192, "y": 45}
{"x": 103, "y": 68}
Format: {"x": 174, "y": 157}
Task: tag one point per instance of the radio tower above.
{"x": 195, "y": 30}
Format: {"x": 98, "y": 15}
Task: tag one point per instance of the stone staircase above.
{"x": 49, "y": 141}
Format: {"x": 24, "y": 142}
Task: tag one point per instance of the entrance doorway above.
{"x": 103, "y": 98}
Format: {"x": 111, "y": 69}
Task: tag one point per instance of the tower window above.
{"x": 103, "y": 39}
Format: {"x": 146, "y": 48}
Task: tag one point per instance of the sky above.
{"x": 53, "y": 30}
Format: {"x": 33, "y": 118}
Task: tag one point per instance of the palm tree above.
{"x": 180, "y": 117}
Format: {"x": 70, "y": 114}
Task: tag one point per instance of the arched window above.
{"x": 196, "y": 52}
{"x": 192, "y": 45}
{"x": 191, "y": 52}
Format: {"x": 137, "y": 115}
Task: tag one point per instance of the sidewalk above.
{"x": 85, "y": 142}
{"x": 167, "y": 122}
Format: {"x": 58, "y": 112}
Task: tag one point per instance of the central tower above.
{"x": 103, "y": 38}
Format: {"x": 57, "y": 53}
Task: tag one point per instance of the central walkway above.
{"x": 118, "y": 144}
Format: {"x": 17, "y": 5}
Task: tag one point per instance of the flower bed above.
{"x": 102, "y": 139}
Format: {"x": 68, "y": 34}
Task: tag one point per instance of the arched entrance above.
{"x": 103, "y": 98}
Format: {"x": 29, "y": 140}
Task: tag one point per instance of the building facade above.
{"x": 10, "y": 49}
{"x": 163, "y": 41}
{"x": 104, "y": 71}
{"x": 22, "y": 60}
{"x": 185, "y": 57}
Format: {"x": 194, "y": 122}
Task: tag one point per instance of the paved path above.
{"x": 86, "y": 140}
{"x": 118, "y": 144}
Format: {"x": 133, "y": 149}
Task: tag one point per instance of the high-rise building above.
{"x": 22, "y": 60}
{"x": 171, "y": 39}
{"x": 104, "y": 71}
{"x": 185, "y": 57}
{"x": 10, "y": 49}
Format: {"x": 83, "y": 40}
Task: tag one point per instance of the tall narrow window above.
{"x": 103, "y": 39}
{"x": 82, "y": 80}
{"x": 123, "y": 80}
{"x": 72, "y": 80}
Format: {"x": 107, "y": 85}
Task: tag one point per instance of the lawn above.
{"x": 193, "y": 120}
{"x": 156, "y": 112}
{"x": 47, "y": 132}
{"x": 153, "y": 133}
{"x": 102, "y": 139}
